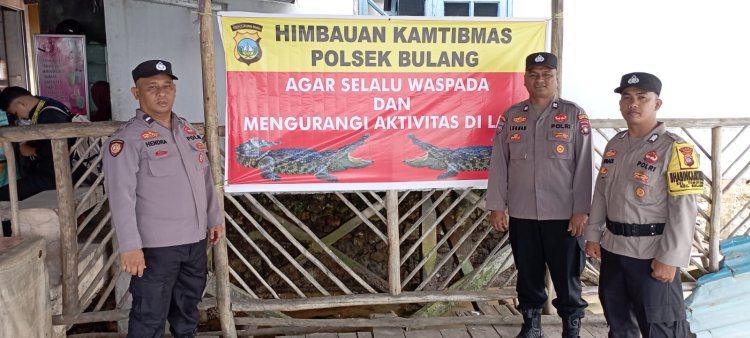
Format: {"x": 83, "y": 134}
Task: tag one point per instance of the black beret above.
{"x": 645, "y": 81}
{"x": 151, "y": 68}
{"x": 548, "y": 60}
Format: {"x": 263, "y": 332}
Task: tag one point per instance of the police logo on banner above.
{"x": 247, "y": 42}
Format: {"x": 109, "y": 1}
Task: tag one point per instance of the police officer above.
{"x": 643, "y": 217}
{"x": 163, "y": 199}
{"x": 541, "y": 174}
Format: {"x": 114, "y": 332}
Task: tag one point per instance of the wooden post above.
{"x": 557, "y": 39}
{"x": 220, "y": 258}
{"x": 557, "y": 49}
{"x": 715, "y": 231}
{"x": 68, "y": 226}
{"x": 10, "y": 160}
{"x": 394, "y": 254}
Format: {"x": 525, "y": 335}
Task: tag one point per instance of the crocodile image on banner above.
{"x": 453, "y": 161}
{"x": 298, "y": 160}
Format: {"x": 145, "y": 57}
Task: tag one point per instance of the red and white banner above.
{"x": 362, "y": 103}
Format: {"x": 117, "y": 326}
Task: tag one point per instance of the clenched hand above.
{"x": 662, "y": 272}
{"x": 133, "y": 262}
{"x": 214, "y": 234}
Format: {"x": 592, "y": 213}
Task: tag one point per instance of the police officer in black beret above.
{"x": 643, "y": 218}
{"x": 163, "y": 202}
{"x": 540, "y": 173}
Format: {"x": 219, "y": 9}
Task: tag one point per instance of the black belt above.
{"x": 632, "y": 230}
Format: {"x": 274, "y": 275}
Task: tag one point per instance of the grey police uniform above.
{"x": 159, "y": 184}
{"x": 644, "y": 208}
{"x": 544, "y": 165}
{"x": 162, "y": 197}
{"x": 541, "y": 172}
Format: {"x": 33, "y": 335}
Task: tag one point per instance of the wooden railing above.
{"x": 438, "y": 244}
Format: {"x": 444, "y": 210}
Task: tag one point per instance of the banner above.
{"x": 368, "y": 103}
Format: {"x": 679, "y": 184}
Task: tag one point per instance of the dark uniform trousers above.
{"x": 632, "y": 299}
{"x": 171, "y": 288}
{"x": 535, "y": 243}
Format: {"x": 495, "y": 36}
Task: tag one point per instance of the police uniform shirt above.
{"x": 161, "y": 191}
{"x": 541, "y": 169}
{"x": 650, "y": 180}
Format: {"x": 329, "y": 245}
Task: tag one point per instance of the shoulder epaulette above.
{"x": 674, "y": 136}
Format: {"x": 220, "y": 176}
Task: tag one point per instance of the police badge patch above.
{"x": 115, "y": 147}
{"x": 500, "y": 124}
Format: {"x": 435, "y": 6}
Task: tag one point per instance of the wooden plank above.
{"x": 394, "y": 253}
{"x": 364, "y": 335}
{"x": 348, "y": 335}
{"x": 585, "y": 334}
{"x": 487, "y": 308}
{"x": 552, "y": 329}
{"x": 390, "y": 331}
{"x": 455, "y": 333}
{"x": 596, "y": 330}
{"x": 507, "y": 331}
{"x": 482, "y": 331}
{"x": 322, "y": 335}
{"x": 367, "y": 299}
{"x": 420, "y": 334}
{"x": 68, "y": 227}
{"x": 387, "y": 332}
{"x": 503, "y": 311}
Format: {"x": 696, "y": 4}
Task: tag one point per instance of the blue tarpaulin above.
{"x": 719, "y": 306}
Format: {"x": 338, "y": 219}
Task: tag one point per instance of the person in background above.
{"x": 163, "y": 201}
{"x": 540, "y": 173}
{"x": 100, "y": 97}
{"x": 643, "y": 218}
{"x": 36, "y": 169}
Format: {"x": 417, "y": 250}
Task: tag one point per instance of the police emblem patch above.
{"x": 149, "y": 134}
{"x": 640, "y": 176}
{"x": 585, "y": 127}
{"x": 162, "y": 152}
{"x": 561, "y": 118}
{"x": 188, "y": 130}
{"x": 640, "y": 192}
{"x": 500, "y": 124}
{"x": 603, "y": 171}
{"x": 515, "y": 137}
{"x": 560, "y": 149}
{"x": 688, "y": 158}
{"x": 200, "y": 146}
{"x": 651, "y": 157}
{"x": 115, "y": 147}
{"x": 562, "y": 136}
{"x": 520, "y": 119}
{"x": 610, "y": 153}
{"x": 201, "y": 157}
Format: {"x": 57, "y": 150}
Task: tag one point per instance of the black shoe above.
{"x": 571, "y": 327}
{"x": 532, "y": 324}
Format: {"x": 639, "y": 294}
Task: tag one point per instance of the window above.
{"x": 491, "y": 8}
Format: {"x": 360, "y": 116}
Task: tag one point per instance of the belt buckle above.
{"x": 652, "y": 227}
{"x": 633, "y": 230}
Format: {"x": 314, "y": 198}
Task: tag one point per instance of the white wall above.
{"x": 139, "y": 30}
